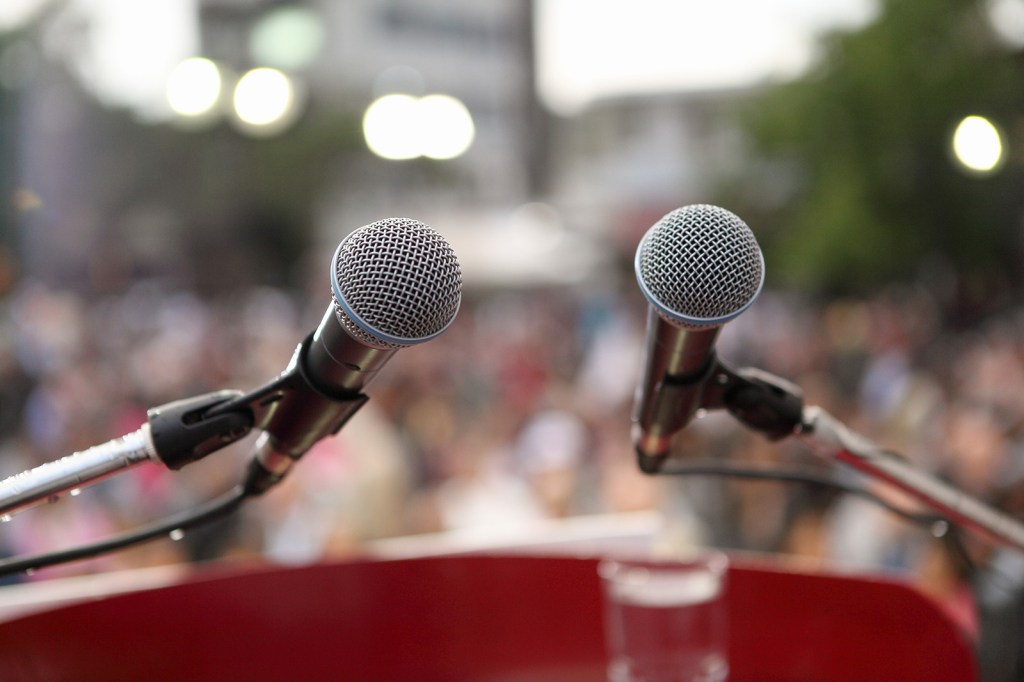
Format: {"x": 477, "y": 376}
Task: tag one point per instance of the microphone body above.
{"x": 677, "y": 364}
{"x": 339, "y": 362}
{"x": 699, "y": 267}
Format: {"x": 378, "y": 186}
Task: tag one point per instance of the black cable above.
{"x": 754, "y": 472}
{"x": 214, "y": 509}
{"x": 949, "y": 533}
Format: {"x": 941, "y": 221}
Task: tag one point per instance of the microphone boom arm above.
{"x": 184, "y": 431}
{"x": 176, "y": 433}
{"x": 49, "y": 481}
{"x": 828, "y": 433}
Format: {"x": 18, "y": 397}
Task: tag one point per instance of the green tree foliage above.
{"x": 865, "y": 142}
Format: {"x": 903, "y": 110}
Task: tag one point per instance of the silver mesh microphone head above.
{"x": 700, "y": 266}
{"x": 396, "y": 283}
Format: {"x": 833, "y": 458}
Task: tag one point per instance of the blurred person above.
{"x": 998, "y": 589}
{"x": 990, "y": 369}
{"x": 758, "y": 507}
{"x": 806, "y": 529}
{"x": 622, "y": 486}
{"x": 480, "y": 493}
{"x": 15, "y": 385}
{"x": 997, "y": 582}
{"x": 944, "y": 573}
{"x": 552, "y": 450}
{"x": 610, "y": 361}
{"x": 346, "y": 491}
{"x": 977, "y": 450}
{"x": 49, "y": 329}
{"x": 699, "y": 509}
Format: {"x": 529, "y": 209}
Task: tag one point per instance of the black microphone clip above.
{"x": 760, "y": 400}
{"x": 184, "y": 431}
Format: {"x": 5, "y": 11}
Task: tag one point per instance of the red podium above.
{"x": 480, "y": 616}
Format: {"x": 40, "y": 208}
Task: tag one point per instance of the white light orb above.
{"x": 194, "y": 87}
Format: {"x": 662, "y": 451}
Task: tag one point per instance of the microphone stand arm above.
{"x": 774, "y": 407}
{"x": 825, "y": 431}
{"x": 292, "y": 410}
{"x": 176, "y": 433}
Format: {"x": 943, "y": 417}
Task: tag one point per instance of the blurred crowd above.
{"x": 519, "y": 413}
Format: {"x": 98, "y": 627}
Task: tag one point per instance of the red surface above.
{"x": 471, "y": 617}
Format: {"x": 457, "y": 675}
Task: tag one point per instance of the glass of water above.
{"x": 666, "y": 621}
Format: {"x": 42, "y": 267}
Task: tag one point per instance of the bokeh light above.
{"x": 264, "y": 97}
{"x": 978, "y": 144}
{"x": 447, "y": 127}
{"x": 194, "y": 87}
{"x": 390, "y": 127}
{"x": 1006, "y": 18}
{"x": 399, "y": 126}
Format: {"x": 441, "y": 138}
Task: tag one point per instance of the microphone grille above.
{"x": 700, "y": 266}
{"x": 396, "y": 282}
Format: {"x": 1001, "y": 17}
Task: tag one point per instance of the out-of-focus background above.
{"x": 175, "y": 175}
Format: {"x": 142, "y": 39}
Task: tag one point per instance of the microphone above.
{"x": 699, "y": 267}
{"x": 395, "y": 283}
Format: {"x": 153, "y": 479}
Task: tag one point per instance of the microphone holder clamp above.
{"x": 758, "y": 399}
{"x": 294, "y": 411}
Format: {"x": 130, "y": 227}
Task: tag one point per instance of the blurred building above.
{"x": 480, "y": 54}
{"x": 622, "y": 163}
{"x": 537, "y": 197}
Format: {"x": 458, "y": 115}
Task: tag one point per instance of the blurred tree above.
{"x": 858, "y": 154}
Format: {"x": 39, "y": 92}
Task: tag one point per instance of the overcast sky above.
{"x": 587, "y": 48}
{"x": 590, "y": 48}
